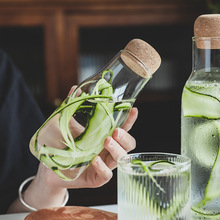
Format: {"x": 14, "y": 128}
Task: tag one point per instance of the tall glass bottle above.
{"x": 74, "y": 134}
{"x": 200, "y": 119}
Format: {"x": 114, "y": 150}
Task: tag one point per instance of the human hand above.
{"x": 48, "y": 190}
{"x": 100, "y": 170}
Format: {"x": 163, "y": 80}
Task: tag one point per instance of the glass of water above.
{"x": 154, "y": 186}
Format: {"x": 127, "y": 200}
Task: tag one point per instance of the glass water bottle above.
{"x": 75, "y": 132}
{"x": 200, "y": 126}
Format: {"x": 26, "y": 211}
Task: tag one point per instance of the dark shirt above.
{"x": 20, "y": 117}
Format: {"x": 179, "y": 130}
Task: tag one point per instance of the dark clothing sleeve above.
{"x": 20, "y": 117}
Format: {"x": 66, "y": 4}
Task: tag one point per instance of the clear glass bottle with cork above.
{"x": 200, "y": 120}
{"x": 74, "y": 134}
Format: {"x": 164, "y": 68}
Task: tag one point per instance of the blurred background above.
{"x": 58, "y": 43}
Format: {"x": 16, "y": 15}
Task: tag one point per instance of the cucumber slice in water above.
{"x": 204, "y": 214}
{"x": 65, "y": 162}
{"x": 205, "y": 106}
{"x": 206, "y": 136}
{"x": 98, "y": 129}
{"x": 200, "y": 105}
{"x": 53, "y": 166}
{"x": 169, "y": 212}
{"x": 212, "y": 190}
{"x": 79, "y": 151}
{"x": 204, "y": 140}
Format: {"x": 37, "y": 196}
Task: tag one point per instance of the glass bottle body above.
{"x": 200, "y": 126}
{"x": 74, "y": 134}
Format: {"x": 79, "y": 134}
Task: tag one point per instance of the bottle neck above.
{"x": 126, "y": 74}
{"x": 206, "y": 54}
{"x": 129, "y": 75}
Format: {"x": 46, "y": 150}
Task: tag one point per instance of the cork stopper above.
{"x": 207, "y": 25}
{"x": 141, "y": 57}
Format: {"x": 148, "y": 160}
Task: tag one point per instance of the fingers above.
{"x": 124, "y": 139}
{"x": 121, "y": 141}
{"x": 72, "y": 89}
{"x": 117, "y": 146}
{"x": 115, "y": 154}
{"x": 115, "y": 151}
{"x": 131, "y": 119}
{"x": 103, "y": 173}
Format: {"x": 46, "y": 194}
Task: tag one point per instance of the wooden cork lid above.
{"x": 141, "y": 57}
{"x": 207, "y": 26}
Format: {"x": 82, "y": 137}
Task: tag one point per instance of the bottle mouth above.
{"x": 205, "y": 38}
{"x": 207, "y": 42}
{"x": 135, "y": 64}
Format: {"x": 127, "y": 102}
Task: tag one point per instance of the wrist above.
{"x": 39, "y": 195}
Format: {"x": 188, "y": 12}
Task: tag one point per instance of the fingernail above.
{"x": 110, "y": 142}
{"x": 136, "y": 109}
{"x": 118, "y": 133}
{"x": 97, "y": 161}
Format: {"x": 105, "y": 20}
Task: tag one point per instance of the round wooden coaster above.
{"x": 71, "y": 212}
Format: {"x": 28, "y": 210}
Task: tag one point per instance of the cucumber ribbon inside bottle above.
{"x": 103, "y": 117}
{"x": 200, "y": 105}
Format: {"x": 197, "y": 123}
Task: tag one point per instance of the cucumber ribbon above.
{"x": 205, "y": 106}
{"x": 171, "y": 211}
{"x": 81, "y": 150}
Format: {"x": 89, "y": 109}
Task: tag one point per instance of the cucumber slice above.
{"x": 204, "y": 140}
{"x": 146, "y": 168}
{"x": 170, "y": 212}
{"x": 47, "y": 162}
{"x": 99, "y": 128}
{"x": 63, "y": 162}
{"x": 100, "y": 125}
{"x": 80, "y": 150}
{"x": 66, "y": 158}
{"x": 64, "y": 120}
{"x": 204, "y": 214}
{"x": 55, "y": 151}
{"x": 205, "y": 106}
{"x": 200, "y": 105}
{"x": 212, "y": 190}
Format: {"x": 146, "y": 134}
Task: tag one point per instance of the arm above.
{"x": 48, "y": 190}
{"x": 17, "y": 107}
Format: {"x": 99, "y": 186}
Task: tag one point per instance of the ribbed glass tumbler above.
{"x": 154, "y": 186}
